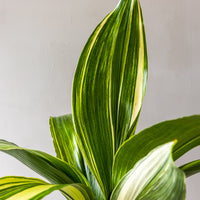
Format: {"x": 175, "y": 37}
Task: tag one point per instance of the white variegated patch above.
{"x": 153, "y": 173}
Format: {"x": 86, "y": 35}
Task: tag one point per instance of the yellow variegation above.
{"x": 108, "y": 88}
{"x": 63, "y": 133}
{"x": 53, "y": 169}
{"x": 99, "y": 156}
{"x": 186, "y": 130}
{"x": 21, "y": 188}
{"x": 154, "y": 177}
{"x": 66, "y": 148}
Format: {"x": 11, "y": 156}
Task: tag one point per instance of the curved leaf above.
{"x": 191, "y": 168}
{"x": 63, "y": 134}
{"x": 51, "y": 168}
{"x": 21, "y": 188}
{"x": 62, "y": 131}
{"x": 153, "y": 177}
{"x": 109, "y": 87}
{"x": 186, "y": 130}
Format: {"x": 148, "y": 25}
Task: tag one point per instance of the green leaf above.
{"x": 153, "y": 177}
{"x": 186, "y": 130}
{"x": 66, "y": 147}
{"x": 94, "y": 184}
{"x": 109, "y": 87}
{"x": 51, "y": 168}
{"x": 21, "y": 188}
{"x": 191, "y": 168}
{"x": 62, "y": 131}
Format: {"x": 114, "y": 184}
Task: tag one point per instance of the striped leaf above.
{"x": 109, "y": 87}
{"x": 155, "y": 177}
{"x": 62, "y": 131}
{"x": 186, "y": 130}
{"x": 51, "y": 168}
{"x": 94, "y": 184}
{"x": 66, "y": 148}
{"x": 21, "y": 188}
{"x": 191, "y": 168}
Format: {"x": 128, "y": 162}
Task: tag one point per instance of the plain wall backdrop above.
{"x": 40, "y": 43}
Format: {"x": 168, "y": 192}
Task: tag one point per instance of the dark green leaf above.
{"x": 191, "y": 168}
{"x": 53, "y": 169}
{"x": 109, "y": 87}
{"x": 186, "y": 130}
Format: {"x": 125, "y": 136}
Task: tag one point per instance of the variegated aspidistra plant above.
{"x": 99, "y": 156}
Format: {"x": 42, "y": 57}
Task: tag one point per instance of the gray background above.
{"x": 40, "y": 43}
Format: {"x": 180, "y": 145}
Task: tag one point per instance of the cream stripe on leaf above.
{"x": 21, "y": 188}
{"x": 63, "y": 133}
{"x": 64, "y": 139}
{"x": 53, "y": 169}
{"x": 186, "y": 130}
{"x": 153, "y": 177}
{"x": 106, "y": 96}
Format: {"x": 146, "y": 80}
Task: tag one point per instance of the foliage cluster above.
{"x": 99, "y": 156}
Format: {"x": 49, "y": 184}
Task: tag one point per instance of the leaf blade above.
{"x": 64, "y": 139}
{"x": 22, "y": 188}
{"x": 153, "y": 177}
{"x": 58, "y": 171}
{"x": 108, "y": 88}
{"x": 64, "y": 136}
{"x": 191, "y": 168}
{"x": 186, "y": 130}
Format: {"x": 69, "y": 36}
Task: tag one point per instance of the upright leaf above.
{"x": 21, "y": 188}
{"x": 109, "y": 87}
{"x": 186, "y": 130}
{"x": 62, "y": 131}
{"x": 51, "y": 168}
{"x": 155, "y": 177}
{"x": 66, "y": 147}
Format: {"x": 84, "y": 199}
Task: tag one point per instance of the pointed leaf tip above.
{"x": 109, "y": 87}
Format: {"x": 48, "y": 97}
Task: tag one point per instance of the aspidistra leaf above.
{"x": 153, "y": 177}
{"x": 191, "y": 168}
{"x": 109, "y": 87}
{"x": 62, "y": 131}
{"x": 21, "y": 188}
{"x": 66, "y": 147}
{"x": 186, "y": 130}
{"x": 53, "y": 169}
